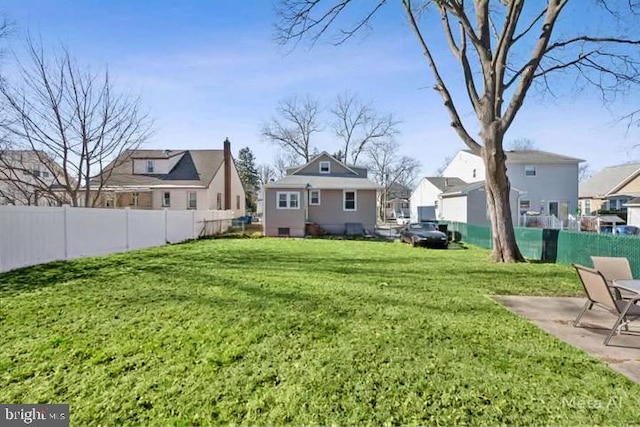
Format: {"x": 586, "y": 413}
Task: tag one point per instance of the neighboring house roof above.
{"x": 324, "y": 182}
{"x": 535, "y": 157}
{"x": 634, "y": 202}
{"x": 443, "y": 183}
{"x": 608, "y": 180}
{"x": 462, "y": 189}
{"x": 196, "y": 168}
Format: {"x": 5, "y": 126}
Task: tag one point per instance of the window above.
{"x": 45, "y": 174}
{"x": 238, "y": 202}
{"x": 109, "y": 201}
{"x": 314, "y": 197}
{"x": 36, "y": 173}
{"x": 134, "y": 199}
{"x": 192, "y": 200}
{"x": 349, "y": 200}
{"x": 150, "y": 166}
{"x": 525, "y": 205}
{"x": 288, "y": 199}
{"x": 473, "y": 173}
{"x": 166, "y": 199}
{"x": 621, "y": 203}
{"x": 529, "y": 170}
{"x": 325, "y": 167}
{"x": 219, "y": 201}
{"x": 283, "y": 231}
{"x": 587, "y": 207}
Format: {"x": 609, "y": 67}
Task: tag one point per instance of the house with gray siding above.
{"x": 324, "y": 193}
{"x": 547, "y": 183}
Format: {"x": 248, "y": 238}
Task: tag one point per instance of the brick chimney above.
{"x": 227, "y": 173}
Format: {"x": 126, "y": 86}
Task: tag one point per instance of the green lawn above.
{"x": 266, "y": 331}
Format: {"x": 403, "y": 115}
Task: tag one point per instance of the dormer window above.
{"x": 325, "y": 167}
{"x": 150, "y": 166}
{"x": 529, "y": 170}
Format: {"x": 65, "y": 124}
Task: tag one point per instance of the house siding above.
{"x": 552, "y": 183}
{"x": 275, "y": 218}
{"x": 632, "y": 186}
{"x": 462, "y": 166}
{"x": 179, "y": 198}
{"x": 633, "y": 215}
{"x": 425, "y": 195}
{"x": 313, "y": 168}
{"x": 331, "y": 216}
{"x": 453, "y": 209}
{"x": 477, "y": 207}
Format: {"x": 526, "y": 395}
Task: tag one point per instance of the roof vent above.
{"x": 167, "y": 152}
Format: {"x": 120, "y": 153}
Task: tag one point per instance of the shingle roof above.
{"x": 536, "y": 157}
{"x": 324, "y": 182}
{"x": 603, "y": 182}
{"x": 463, "y": 188}
{"x": 443, "y": 183}
{"x": 195, "y": 168}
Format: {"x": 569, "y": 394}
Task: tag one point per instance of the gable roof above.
{"x": 608, "y": 180}
{"x": 535, "y": 157}
{"x": 324, "y": 182}
{"x": 462, "y": 189}
{"x": 194, "y": 168}
{"x": 295, "y": 170}
{"x": 444, "y": 182}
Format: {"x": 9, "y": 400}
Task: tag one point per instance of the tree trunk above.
{"x": 505, "y": 248}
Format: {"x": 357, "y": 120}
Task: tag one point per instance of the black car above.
{"x": 424, "y": 234}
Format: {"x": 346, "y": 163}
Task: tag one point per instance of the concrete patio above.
{"x": 555, "y": 315}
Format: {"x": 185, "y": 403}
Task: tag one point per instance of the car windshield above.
{"x": 426, "y": 226}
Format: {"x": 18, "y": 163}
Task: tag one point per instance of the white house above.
{"x": 633, "y": 212}
{"x": 547, "y": 183}
{"x": 424, "y": 198}
{"x": 468, "y": 203}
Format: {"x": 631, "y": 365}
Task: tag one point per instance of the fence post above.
{"x": 193, "y": 225}
{"x": 65, "y": 227}
{"x": 166, "y": 225}
{"x": 127, "y": 230}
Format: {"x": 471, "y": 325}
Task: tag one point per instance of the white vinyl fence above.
{"x": 32, "y": 235}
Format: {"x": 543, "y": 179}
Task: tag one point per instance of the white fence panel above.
{"x": 180, "y": 226}
{"x": 146, "y": 228}
{"x": 93, "y": 232}
{"x": 30, "y": 236}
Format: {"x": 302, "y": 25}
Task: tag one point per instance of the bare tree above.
{"x": 443, "y": 166}
{"x": 521, "y": 144}
{"x": 502, "y": 48}
{"x": 584, "y": 172}
{"x": 388, "y": 169}
{"x": 266, "y": 174}
{"x": 297, "y": 121}
{"x": 357, "y": 124}
{"x": 74, "y": 123}
{"x": 283, "y": 161}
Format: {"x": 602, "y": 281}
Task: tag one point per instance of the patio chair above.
{"x": 598, "y": 292}
{"x": 614, "y": 268}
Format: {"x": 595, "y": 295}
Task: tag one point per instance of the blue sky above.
{"x": 207, "y": 70}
